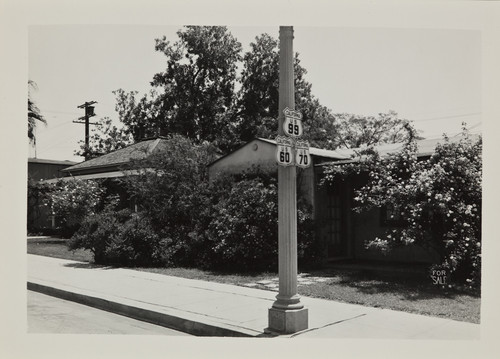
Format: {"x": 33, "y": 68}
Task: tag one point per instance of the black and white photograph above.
{"x": 270, "y": 184}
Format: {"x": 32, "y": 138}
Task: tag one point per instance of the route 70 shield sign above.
{"x": 302, "y": 156}
{"x": 284, "y": 151}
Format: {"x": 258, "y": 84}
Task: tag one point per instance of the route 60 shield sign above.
{"x": 302, "y": 156}
{"x": 284, "y": 151}
{"x": 292, "y": 126}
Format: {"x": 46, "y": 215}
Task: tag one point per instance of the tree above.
{"x": 355, "y": 131}
{"x": 141, "y": 118}
{"x": 34, "y": 114}
{"x": 259, "y": 94}
{"x": 438, "y": 200}
{"x": 320, "y": 126}
{"x": 196, "y": 97}
{"x": 258, "y": 106}
{"x": 198, "y": 83}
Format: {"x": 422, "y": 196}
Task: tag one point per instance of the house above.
{"x": 342, "y": 232}
{"x": 262, "y": 152}
{"x": 112, "y": 166}
{"x": 40, "y": 169}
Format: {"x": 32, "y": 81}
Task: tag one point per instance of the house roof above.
{"x": 51, "y": 162}
{"x": 113, "y": 161}
{"x": 425, "y": 147}
{"x": 113, "y": 174}
{"x": 345, "y": 155}
{"x": 337, "y": 154}
{"x": 334, "y": 154}
{"x": 119, "y": 157}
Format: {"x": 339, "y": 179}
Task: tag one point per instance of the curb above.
{"x": 193, "y": 327}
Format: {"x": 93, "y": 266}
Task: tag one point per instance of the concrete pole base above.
{"x": 286, "y": 321}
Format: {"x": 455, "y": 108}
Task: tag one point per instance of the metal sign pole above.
{"x": 287, "y": 314}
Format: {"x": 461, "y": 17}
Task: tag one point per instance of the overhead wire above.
{"x": 446, "y": 117}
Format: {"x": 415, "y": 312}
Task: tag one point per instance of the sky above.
{"x": 429, "y": 76}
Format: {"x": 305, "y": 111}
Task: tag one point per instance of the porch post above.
{"x": 287, "y": 314}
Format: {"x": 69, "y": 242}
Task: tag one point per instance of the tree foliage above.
{"x": 104, "y": 138}
{"x": 259, "y": 93}
{"x": 258, "y": 106}
{"x": 210, "y": 92}
{"x": 198, "y": 84}
{"x": 438, "y": 200}
{"x": 354, "y": 131}
{"x": 140, "y": 117}
{"x": 34, "y": 114}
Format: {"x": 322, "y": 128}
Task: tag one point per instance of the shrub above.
{"x": 241, "y": 224}
{"x": 169, "y": 186}
{"x": 230, "y": 223}
{"x": 243, "y": 231}
{"x": 98, "y": 232}
{"x": 119, "y": 237}
{"x": 137, "y": 243}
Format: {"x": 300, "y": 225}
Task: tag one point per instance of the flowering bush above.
{"x": 71, "y": 201}
{"x": 438, "y": 200}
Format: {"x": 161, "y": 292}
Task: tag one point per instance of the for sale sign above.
{"x": 284, "y": 151}
{"x": 302, "y": 156}
{"x": 292, "y": 126}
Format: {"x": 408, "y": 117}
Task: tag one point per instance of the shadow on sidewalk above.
{"x": 88, "y": 266}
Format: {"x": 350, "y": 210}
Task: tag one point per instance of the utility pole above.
{"x": 287, "y": 314}
{"x": 89, "y": 112}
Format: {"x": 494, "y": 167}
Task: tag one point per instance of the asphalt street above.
{"x": 50, "y": 315}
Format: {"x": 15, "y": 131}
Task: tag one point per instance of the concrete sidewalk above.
{"x": 213, "y": 309}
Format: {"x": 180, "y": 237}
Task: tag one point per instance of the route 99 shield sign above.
{"x": 302, "y": 156}
{"x": 292, "y": 126}
{"x": 284, "y": 151}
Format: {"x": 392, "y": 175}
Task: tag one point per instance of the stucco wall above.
{"x": 262, "y": 154}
